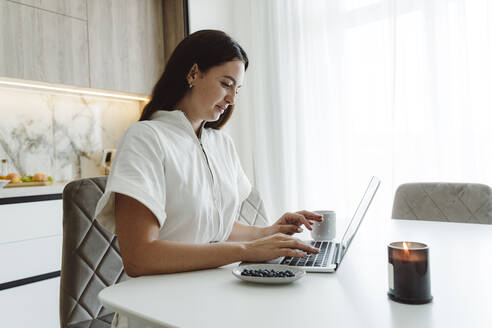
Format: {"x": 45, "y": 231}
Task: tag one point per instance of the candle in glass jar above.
{"x": 409, "y": 273}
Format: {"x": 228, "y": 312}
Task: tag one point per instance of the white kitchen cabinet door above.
{"x": 27, "y": 221}
{"x": 32, "y": 305}
{"x": 29, "y": 258}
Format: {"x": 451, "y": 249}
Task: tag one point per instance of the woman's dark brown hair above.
{"x": 206, "y": 48}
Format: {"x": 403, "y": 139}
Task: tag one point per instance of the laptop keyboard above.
{"x": 312, "y": 260}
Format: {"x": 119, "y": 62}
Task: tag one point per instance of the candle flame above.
{"x": 405, "y": 247}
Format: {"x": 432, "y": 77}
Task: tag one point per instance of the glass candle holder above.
{"x": 409, "y": 272}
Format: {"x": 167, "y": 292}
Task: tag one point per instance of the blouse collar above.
{"x": 178, "y": 118}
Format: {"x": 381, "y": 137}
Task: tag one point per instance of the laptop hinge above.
{"x": 337, "y": 256}
{"x": 334, "y": 257}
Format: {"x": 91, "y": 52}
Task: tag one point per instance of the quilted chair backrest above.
{"x": 252, "y": 210}
{"x": 451, "y": 202}
{"x": 91, "y": 259}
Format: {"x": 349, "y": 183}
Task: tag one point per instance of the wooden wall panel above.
{"x": 126, "y": 44}
{"x": 73, "y": 8}
{"x": 117, "y": 45}
{"x": 39, "y": 45}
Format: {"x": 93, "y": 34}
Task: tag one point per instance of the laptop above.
{"x": 332, "y": 252}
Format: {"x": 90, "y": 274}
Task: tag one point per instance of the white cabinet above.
{"x": 29, "y": 258}
{"x": 33, "y": 305}
{"x": 30, "y": 246}
{"x": 30, "y": 239}
{"x": 25, "y": 221}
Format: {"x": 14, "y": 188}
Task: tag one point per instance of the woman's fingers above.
{"x": 293, "y": 218}
{"x": 276, "y": 245}
{"x": 288, "y": 229}
{"x": 299, "y": 245}
{"x": 285, "y": 241}
{"x": 297, "y": 219}
{"x": 291, "y": 252}
{"x": 311, "y": 215}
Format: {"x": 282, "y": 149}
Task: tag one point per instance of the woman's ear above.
{"x": 193, "y": 74}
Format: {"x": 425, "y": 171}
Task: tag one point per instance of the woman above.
{"x": 176, "y": 186}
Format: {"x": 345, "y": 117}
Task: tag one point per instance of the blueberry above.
{"x": 270, "y": 273}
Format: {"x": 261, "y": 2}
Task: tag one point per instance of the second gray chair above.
{"x": 451, "y": 202}
{"x": 252, "y": 211}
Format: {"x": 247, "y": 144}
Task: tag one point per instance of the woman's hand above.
{"x": 277, "y": 245}
{"x": 290, "y": 223}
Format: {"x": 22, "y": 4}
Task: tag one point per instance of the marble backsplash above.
{"x": 61, "y": 134}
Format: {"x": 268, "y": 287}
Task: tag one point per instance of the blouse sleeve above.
{"x": 137, "y": 172}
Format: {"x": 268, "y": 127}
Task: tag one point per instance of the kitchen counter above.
{"x": 32, "y": 194}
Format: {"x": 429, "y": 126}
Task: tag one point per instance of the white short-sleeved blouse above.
{"x": 194, "y": 186}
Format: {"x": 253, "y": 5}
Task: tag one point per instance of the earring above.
{"x": 190, "y": 85}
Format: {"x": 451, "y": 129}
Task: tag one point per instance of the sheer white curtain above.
{"x": 341, "y": 90}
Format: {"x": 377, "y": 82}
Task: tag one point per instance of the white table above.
{"x": 354, "y": 296}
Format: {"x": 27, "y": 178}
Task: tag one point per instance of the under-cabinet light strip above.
{"x": 73, "y": 90}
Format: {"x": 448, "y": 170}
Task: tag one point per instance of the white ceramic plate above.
{"x": 298, "y": 273}
{"x": 3, "y": 183}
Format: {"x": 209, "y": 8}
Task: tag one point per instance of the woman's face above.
{"x": 215, "y": 90}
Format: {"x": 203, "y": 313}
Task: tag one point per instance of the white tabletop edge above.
{"x": 133, "y": 314}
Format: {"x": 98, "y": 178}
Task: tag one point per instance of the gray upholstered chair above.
{"x": 451, "y": 202}
{"x": 91, "y": 259}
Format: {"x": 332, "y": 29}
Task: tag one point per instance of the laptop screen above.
{"x": 359, "y": 215}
